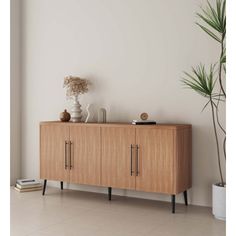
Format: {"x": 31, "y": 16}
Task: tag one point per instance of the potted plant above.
{"x": 209, "y": 84}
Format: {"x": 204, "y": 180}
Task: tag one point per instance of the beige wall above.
{"x": 15, "y": 171}
{"x": 134, "y": 52}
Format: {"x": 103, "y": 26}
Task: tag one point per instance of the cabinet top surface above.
{"x": 116, "y": 124}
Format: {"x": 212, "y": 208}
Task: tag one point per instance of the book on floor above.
{"x": 28, "y": 189}
{"x": 28, "y": 186}
{"x": 25, "y": 182}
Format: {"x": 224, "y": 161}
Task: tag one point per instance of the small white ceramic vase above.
{"x": 102, "y": 115}
{"x": 76, "y": 112}
{"x": 219, "y": 201}
{"x": 88, "y": 113}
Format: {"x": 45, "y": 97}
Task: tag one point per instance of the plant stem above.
{"x": 218, "y": 122}
{"x": 224, "y": 148}
{"x": 217, "y": 118}
{"x": 217, "y": 141}
{"x": 222, "y": 88}
{"x": 220, "y": 69}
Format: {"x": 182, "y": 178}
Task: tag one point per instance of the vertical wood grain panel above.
{"x": 116, "y": 157}
{"x": 52, "y": 152}
{"x": 101, "y": 155}
{"x": 85, "y": 155}
{"x": 156, "y": 160}
{"x": 183, "y": 166}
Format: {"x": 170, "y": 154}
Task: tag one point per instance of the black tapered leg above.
{"x": 173, "y": 203}
{"x": 61, "y": 185}
{"x": 44, "y": 186}
{"x": 185, "y": 197}
{"x": 109, "y": 193}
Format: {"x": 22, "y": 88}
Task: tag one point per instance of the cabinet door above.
{"x": 155, "y": 160}
{"x": 85, "y": 155}
{"x": 116, "y": 157}
{"x": 53, "y": 152}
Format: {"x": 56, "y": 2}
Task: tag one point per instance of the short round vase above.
{"x": 76, "y": 115}
{"x": 65, "y": 116}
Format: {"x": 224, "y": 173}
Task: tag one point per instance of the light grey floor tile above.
{"x": 73, "y": 213}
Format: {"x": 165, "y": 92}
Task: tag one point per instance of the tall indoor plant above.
{"x": 210, "y": 84}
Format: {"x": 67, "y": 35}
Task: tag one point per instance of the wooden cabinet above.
{"x": 151, "y": 158}
{"x": 164, "y": 160}
{"x": 116, "y": 157}
{"x": 155, "y": 160}
{"x": 53, "y": 151}
{"x": 70, "y": 153}
{"x": 85, "y": 155}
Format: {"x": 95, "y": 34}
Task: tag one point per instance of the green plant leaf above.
{"x": 201, "y": 81}
{"x": 214, "y": 18}
{"x": 213, "y": 13}
{"x": 223, "y": 11}
{"x": 223, "y": 56}
{"x": 195, "y": 82}
{"x": 223, "y": 17}
{"x": 223, "y": 59}
{"x": 209, "y": 32}
{"x": 218, "y": 7}
{"x": 211, "y": 23}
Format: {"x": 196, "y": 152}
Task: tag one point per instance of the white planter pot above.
{"x": 219, "y": 202}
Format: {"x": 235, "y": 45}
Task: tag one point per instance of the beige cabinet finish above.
{"x": 85, "y": 155}
{"x": 116, "y": 157}
{"x": 183, "y": 160}
{"x": 53, "y": 152}
{"x": 164, "y": 160}
{"x": 151, "y": 158}
{"x": 70, "y": 153}
{"x": 156, "y": 160}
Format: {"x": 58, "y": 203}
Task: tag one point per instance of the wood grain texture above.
{"x": 156, "y": 160}
{"x": 52, "y": 152}
{"x": 116, "y": 157}
{"x": 85, "y": 155}
{"x": 119, "y": 125}
{"x": 183, "y": 160}
{"x": 101, "y": 155}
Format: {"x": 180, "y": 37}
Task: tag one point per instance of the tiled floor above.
{"x": 75, "y": 213}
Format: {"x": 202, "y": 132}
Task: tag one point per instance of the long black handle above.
{"x": 70, "y": 154}
{"x": 137, "y": 160}
{"x": 131, "y": 160}
{"x": 66, "y": 155}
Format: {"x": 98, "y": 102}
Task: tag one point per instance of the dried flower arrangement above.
{"x": 75, "y": 86}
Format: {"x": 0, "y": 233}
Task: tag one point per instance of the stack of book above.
{"x": 28, "y": 185}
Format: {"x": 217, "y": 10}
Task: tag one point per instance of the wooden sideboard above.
{"x": 150, "y": 158}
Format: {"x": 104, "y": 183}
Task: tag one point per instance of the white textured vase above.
{"x": 219, "y": 202}
{"x": 76, "y": 112}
